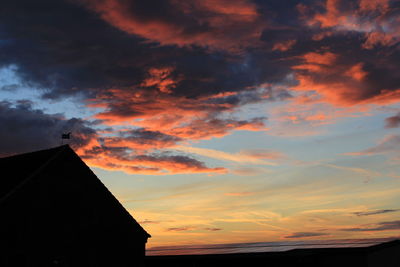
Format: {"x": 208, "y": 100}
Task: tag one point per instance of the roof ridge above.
{"x": 33, "y": 152}
{"x": 33, "y": 174}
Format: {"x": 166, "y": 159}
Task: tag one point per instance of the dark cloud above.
{"x": 393, "y": 122}
{"x": 65, "y": 48}
{"x": 24, "y": 129}
{"x": 61, "y": 47}
{"x": 305, "y": 234}
{"x": 175, "y": 71}
{"x": 190, "y": 228}
{"x": 374, "y": 212}
{"x": 381, "y": 226}
{"x": 171, "y": 93}
{"x": 214, "y": 24}
{"x": 141, "y": 139}
{"x": 128, "y": 160}
{"x": 9, "y": 87}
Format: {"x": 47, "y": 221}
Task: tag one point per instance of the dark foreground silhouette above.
{"x": 56, "y": 212}
{"x": 382, "y": 255}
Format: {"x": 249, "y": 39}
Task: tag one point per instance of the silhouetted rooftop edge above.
{"x": 18, "y": 169}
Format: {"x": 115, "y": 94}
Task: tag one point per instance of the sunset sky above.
{"x": 216, "y": 121}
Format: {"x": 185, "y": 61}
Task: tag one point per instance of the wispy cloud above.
{"x": 305, "y": 234}
{"x": 180, "y": 229}
{"x": 362, "y": 171}
{"x": 193, "y": 228}
{"x": 212, "y": 229}
{"x": 149, "y": 222}
{"x": 390, "y": 143}
{"x": 257, "y": 157}
{"x": 393, "y": 121}
{"x": 374, "y": 212}
{"x": 381, "y": 226}
{"x": 239, "y": 194}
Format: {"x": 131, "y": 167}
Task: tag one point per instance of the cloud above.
{"x": 376, "y": 20}
{"x": 185, "y": 94}
{"x": 9, "y": 87}
{"x": 200, "y": 118}
{"x": 99, "y": 57}
{"x": 119, "y": 158}
{"x": 212, "y": 229}
{"x": 284, "y": 46}
{"x": 149, "y": 222}
{"x": 239, "y": 194}
{"x": 243, "y": 157}
{"x": 358, "y": 82}
{"x": 381, "y": 226}
{"x": 140, "y": 139}
{"x": 192, "y": 228}
{"x": 25, "y": 129}
{"x": 393, "y": 122}
{"x": 180, "y": 229}
{"x": 374, "y": 212}
{"x": 262, "y": 154}
{"x": 170, "y": 72}
{"x": 249, "y": 171}
{"x": 305, "y": 234}
{"x": 221, "y": 25}
{"x": 361, "y": 171}
{"x": 362, "y": 74}
{"x": 160, "y": 78}
{"x": 389, "y": 144}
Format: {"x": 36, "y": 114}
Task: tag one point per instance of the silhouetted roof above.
{"x": 20, "y": 169}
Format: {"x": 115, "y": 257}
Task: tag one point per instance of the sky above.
{"x": 216, "y": 121}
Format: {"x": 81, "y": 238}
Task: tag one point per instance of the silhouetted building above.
{"x": 56, "y": 212}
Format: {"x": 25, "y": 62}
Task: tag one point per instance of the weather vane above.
{"x": 65, "y": 136}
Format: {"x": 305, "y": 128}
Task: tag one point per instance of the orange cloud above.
{"x": 379, "y": 38}
{"x": 374, "y": 5}
{"x": 339, "y": 83}
{"x": 373, "y": 18}
{"x": 284, "y": 46}
{"x": 332, "y": 17}
{"x": 177, "y": 116}
{"x": 356, "y": 72}
{"x": 154, "y": 120}
{"x": 160, "y": 78}
{"x": 152, "y": 164}
{"x": 216, "y": 24}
